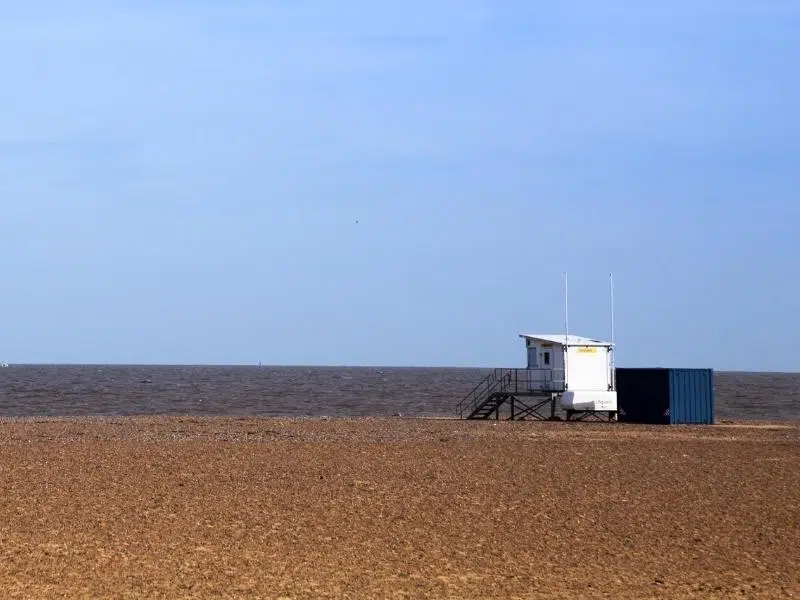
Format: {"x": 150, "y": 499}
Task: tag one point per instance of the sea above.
{"x": 264, "y": 391}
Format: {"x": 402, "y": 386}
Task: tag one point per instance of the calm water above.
{"x": 300, "y": 391}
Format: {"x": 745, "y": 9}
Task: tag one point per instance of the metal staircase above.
{"x": 507, "y": 386}
{"x": 486, "y": 397}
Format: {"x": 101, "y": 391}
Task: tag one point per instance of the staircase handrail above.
{"x": 480, "y": 392}
{"x": 496, "y": 381}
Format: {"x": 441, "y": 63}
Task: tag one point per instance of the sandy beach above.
{"x": 396, "y": 508}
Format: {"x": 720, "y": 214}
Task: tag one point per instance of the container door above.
{"x": 643, "y": 396}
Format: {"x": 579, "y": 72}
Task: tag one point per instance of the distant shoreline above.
{"x": 146, "y": 419}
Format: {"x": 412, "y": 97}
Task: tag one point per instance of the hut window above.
{"x": 546, "y": 358}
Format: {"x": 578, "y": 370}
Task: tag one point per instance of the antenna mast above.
{"x": 566, "y": 328}
{"x": 566, "y": 309}
{"x": 611, "y": 280}
{"x": 613, "y": 349}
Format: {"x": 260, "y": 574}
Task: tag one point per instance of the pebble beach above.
{"x": 221, "y": 507}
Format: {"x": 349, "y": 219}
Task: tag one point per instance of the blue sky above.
{"x": 358, "y": 183}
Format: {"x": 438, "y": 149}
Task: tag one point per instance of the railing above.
{"x": 523, "y": 381}
{"x": 512, "y": 381}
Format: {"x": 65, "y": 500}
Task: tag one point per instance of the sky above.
{"x": 365, "y": 183}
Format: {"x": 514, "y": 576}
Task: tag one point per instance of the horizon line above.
{"x": 344, "y": 366}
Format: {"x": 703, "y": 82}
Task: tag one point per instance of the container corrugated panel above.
{"x": 691, "y": 396}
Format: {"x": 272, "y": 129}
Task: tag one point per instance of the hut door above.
{"x": 546, "y": 357}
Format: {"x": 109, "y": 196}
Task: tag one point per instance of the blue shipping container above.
{"x": 665, "y": 396}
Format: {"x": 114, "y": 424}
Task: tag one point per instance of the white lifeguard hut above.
{"x": 574, "y": 371}
{"x": 580, "y": 370}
